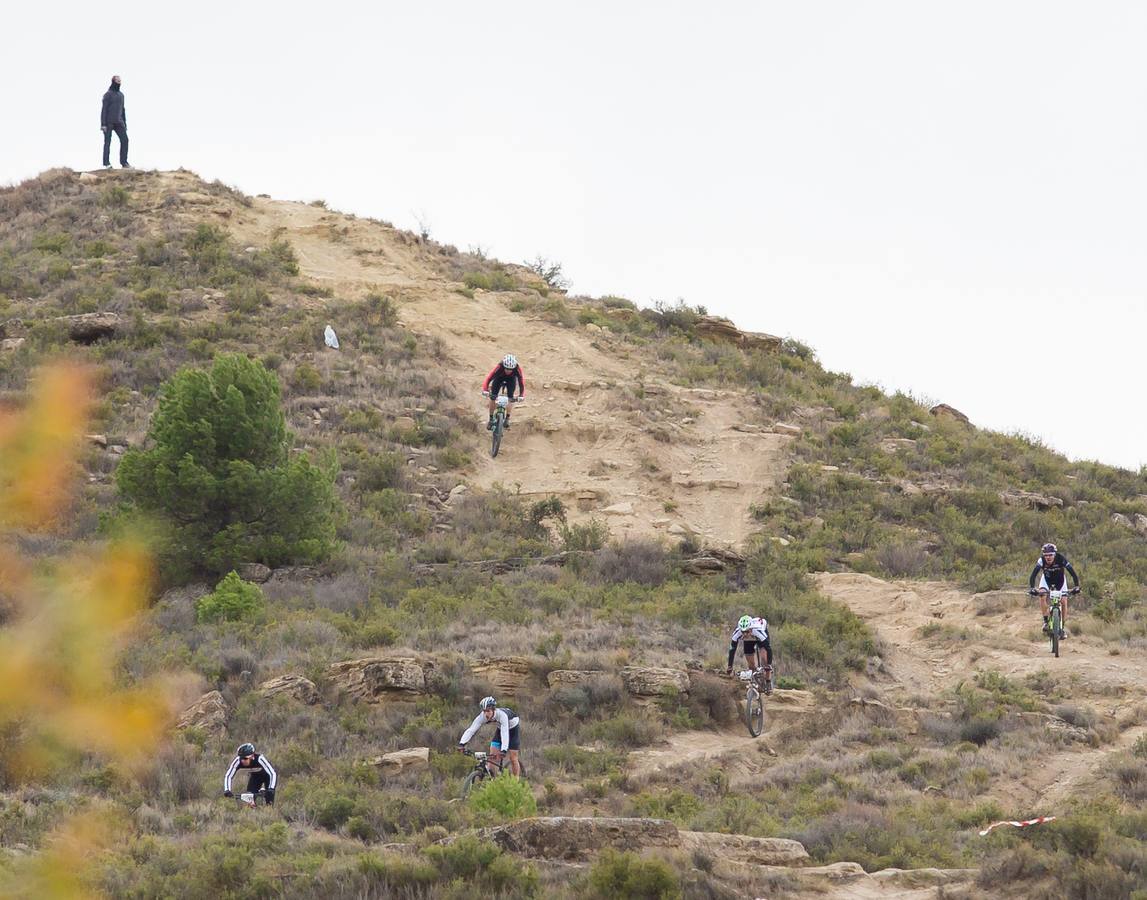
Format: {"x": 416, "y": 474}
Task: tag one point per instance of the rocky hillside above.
{"x": 666, "y": 473}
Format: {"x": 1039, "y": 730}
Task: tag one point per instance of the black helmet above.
{"x": 247, "y": 749}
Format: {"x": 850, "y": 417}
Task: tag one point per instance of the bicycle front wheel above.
{"x": 1056, "y": 623}
{"x": 496, "y": 437}
{"x": 754, "y": 712}
{"x": 472, "y": 779}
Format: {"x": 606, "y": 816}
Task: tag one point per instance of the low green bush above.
{"x": 233, "y": 600}
{"x": 627, "y": 876}
{"x": 507, "y": 797}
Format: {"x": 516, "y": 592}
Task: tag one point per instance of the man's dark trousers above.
{"x": 121, "y": 131}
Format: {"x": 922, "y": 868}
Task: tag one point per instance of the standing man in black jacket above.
{"x": 113, "y": 117}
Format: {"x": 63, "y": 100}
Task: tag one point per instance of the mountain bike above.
{"x": 1055, "y": 616}
{"x": 501, "y": 414}
{"x": 481, "y": 770}
{"x": 758, "y": 682}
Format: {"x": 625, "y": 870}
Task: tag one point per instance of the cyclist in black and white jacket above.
{"x": 1051, "y": 571}
{"x": 509, "y": 736}
{"x": 265, "y": 775}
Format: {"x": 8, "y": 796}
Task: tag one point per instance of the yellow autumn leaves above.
{"x": 64, "y": 623}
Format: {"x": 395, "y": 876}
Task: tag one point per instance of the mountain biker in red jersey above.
{"x": 507, "y": 374}
{"x": 1051, "y": 570}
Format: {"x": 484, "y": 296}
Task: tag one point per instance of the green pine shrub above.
{"x": 220, "y": 476}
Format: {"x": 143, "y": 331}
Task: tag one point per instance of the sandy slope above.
{"x": 1003, "y": 636}
{"x": 668, "y": 464}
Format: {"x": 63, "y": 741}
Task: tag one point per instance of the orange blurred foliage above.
{"x": 65, "y": 624}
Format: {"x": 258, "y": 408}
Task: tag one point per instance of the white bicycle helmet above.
{"x": 744, "y": 622}
{"x": 509, "y": 361}
{"x": 487, "y": 703}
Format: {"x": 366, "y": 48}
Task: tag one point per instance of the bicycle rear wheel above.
{"x": 754, "y": 712}
{"x": 472, "y": 779}
{"x": 1056, "y": 623}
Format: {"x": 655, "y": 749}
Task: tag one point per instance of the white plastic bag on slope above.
{"x": 331, "y": 338}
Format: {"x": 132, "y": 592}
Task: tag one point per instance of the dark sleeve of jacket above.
{"x": 104, "y": 123}
{"x": 521, "y": 381}
{"x": 1035, "y": 574}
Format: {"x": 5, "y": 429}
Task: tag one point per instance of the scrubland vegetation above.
{"x": 247, "y": 444}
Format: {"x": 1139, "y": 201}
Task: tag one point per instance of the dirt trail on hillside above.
{"x": 734, "y": 746}
{"x": 671, "y": 464}
{"x": 1002, "y": 634}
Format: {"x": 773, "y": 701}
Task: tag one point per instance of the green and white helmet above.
{"x": 744, "y": 622}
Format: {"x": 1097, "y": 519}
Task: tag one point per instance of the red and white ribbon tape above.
{"x": 1023, "y": 824}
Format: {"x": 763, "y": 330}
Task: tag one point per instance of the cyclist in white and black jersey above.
{"x": 1051, "y": 571}
{"x": 507, "y": 724}
{"x": 264, "y": 775}
{"x": 752, "y": 632}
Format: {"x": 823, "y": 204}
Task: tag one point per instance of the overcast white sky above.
{"x": 941, "y": 198}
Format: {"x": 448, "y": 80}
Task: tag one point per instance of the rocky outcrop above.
{"x": 649, "y": 681}
{"x": 716, "y": 328}
{"x": 1030, "y": 500}
{"x": 703, "y": 565}
{"x": 1059, "y": 726}
{"x": 916, "y": 879}
{"x": 742, "y": 848}
{"x": 209, "y": 714}
{"x": 413, "y": 759}
{"x": 786, "y": 429}
{"x": 256, "y": 573}
{"x": 576, "y": 839}
{"x": 506, "y": 673}
{"x": 944, "y": 411}
{"x": 87, "y": 328}
{"x": 907, "y": 718}
{"x": 896, "y": 445}
{"x": 295, "y": 686}
{"x": 563, "y": 677}
{"x": 380, "y": 678}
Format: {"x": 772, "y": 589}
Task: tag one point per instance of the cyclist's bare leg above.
{"x": 515, "y": 766}
{"x": 1043, "y": 608}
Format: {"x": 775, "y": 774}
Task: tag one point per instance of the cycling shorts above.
{"x": 1056, "y": 584}
{"x": 515, "y": 740}
{"x": 748, "y": 647}
{"x": 510, "y": 384}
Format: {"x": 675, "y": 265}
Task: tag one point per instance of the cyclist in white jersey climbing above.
{"x": 507, "y": 724}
